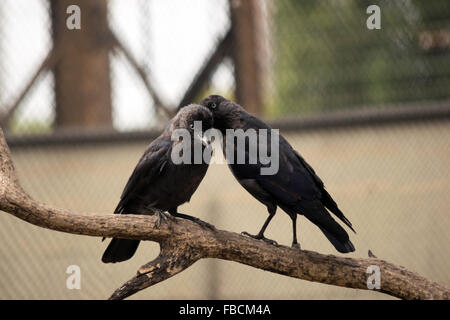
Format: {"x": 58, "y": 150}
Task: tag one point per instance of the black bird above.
{"x": 157, "y": 184}
{"x": 295, "y": 187}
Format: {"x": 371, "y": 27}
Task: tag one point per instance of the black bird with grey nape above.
{"x": 157, "y": 184}
{"x": 295, "y": 187}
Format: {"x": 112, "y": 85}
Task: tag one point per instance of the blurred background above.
{"x": 368, "y": 109}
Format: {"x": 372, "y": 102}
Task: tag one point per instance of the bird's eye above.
{"x": 213, "y": 105}
{"x": 191, "y": 126}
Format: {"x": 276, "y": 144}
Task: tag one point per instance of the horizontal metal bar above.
{"x": 362, "y": 117}
{"x": 368, "y": 117}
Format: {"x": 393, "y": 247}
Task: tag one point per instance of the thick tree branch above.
{"x": 184, "y": 242}
{"x": 172, "y": 259}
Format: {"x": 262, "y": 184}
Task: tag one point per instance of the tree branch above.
{"x": 184, "y": 242}
{"x": 172, "y": 260}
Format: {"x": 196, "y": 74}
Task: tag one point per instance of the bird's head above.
{"x": 213, "y": 102}
{"x": 225, "y": 111}
{"x": 194, "y": 118}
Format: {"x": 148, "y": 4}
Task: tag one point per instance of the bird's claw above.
{"x": 259, "y": 237}
{"x": 193, "y": 219}
{"x": 296, "y": 246}
{"x": 163, "y": 216}
{"x": 204, "y": 224}
{"x": 270, "y": 241}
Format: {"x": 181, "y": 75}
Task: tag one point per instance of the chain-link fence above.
{"x": 368, "y": 109}
{"x": 327, "y": 59}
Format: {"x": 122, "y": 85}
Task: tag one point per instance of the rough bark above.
{"x": 184, "y": 242}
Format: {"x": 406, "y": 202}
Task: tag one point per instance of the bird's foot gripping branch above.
{"x": 186, "y": 242}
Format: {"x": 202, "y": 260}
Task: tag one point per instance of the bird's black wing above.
{"x": 295, "y": 180}
{"x": 148, "y": 168}
{"x": 326, "y": 198}
{"x": 298, "y": 189}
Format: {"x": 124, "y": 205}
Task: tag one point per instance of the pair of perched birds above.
{"x": 158, "y": 184}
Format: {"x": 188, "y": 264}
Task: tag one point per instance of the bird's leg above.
{"x": 202, "y": 223}
{"x": 260, "y": 235}
{"x": 295, "y": 244}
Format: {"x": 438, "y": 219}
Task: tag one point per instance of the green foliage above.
{"x": 29, "y": 127}
{"x": 327, "y": 59}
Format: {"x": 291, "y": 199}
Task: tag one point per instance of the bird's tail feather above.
{"x": 332, "y": 206}
{"x": 341, "y": 246}
{"x": 315, "y": 212}
{"x": 120, "y": 250}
